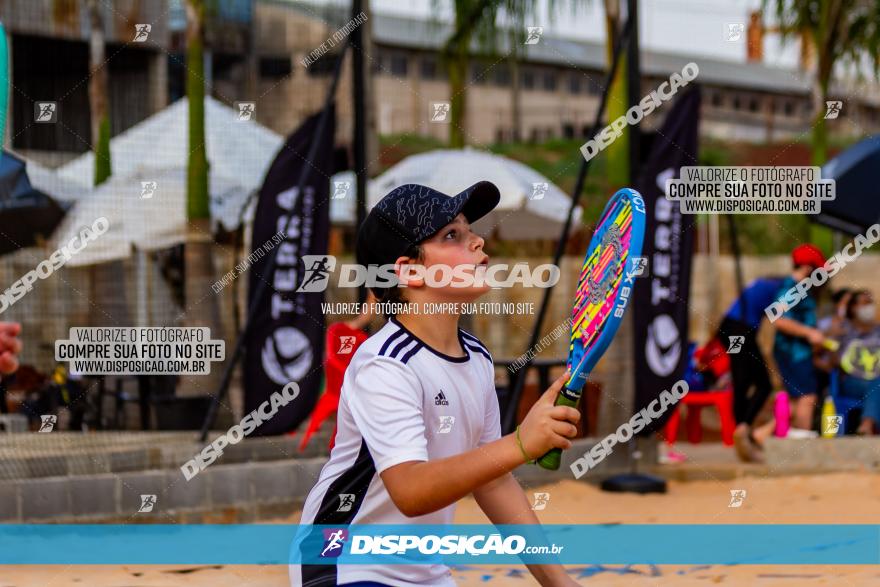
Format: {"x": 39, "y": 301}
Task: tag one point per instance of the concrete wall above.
{"x": 257, "y": 479}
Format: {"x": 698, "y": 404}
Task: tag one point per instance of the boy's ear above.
{"x": 409, "y": 272}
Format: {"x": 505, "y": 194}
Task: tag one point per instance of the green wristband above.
{"x": 519, "y": 444}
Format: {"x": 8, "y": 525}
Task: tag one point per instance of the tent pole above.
{"x": 360, "y": 124}
{"x": 737, "y": 263}
{"x": 634, "y": 91}
{"x": 513, "y": 395}
{"x": 142, "y": 315}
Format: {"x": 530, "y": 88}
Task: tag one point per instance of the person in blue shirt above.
{"x": 796, "y": 335}
{"x": 747, "y": 365}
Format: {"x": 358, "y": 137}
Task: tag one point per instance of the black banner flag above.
{"x": 286, "y": 338}
{"x": 660, "y": 312}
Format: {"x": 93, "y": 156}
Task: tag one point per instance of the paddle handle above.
{"x": 553, "y": 458}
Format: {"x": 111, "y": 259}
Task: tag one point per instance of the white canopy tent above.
{"x": 240, "y": 150}
{"x": 149, "y": 223}
{"x": 150, "y": 158}
{"x": 50, "y": 182}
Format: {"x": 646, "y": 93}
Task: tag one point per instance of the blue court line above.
{"x": 278, "y": 544}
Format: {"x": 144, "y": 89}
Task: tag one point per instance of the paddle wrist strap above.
{"x": 519, "y": 443}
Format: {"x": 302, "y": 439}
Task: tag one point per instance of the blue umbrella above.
{"x": 856, "y": 172}
{"x": 26, "y": 214}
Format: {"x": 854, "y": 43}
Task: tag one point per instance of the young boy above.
{"x": 796, "y": 336}
{"x": 418, "y": 420}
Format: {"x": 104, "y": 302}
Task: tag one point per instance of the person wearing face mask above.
{"x": 859, "y": 359}
{"x": 834, "y": 325}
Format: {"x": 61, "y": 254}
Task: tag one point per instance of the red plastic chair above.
{"x": 696, "y": 401}
{"x": 340, "y": 344}
{"x": 713, "y": 356}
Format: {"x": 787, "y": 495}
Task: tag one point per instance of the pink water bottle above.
{"x": 782, "y": 411}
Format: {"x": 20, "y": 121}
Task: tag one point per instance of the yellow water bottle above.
{"x": 831, "y": 422}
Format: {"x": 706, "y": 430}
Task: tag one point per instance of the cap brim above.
{"x": 478, "y": 200}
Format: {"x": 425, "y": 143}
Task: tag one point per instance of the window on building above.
{"x": 753, "y": 104}
{"x": 568, "y": 130}
{"x": 274, "y": 67}
{"x": 549, "y": 81}
{"x": 501, "y": 75}
{"x": 736, "y": 103}
{"x": 788, "y": 107}
{"x": 428, "y": 68}
{"x": 398, "y": 64}
{"x": 528, "y": 79}
{"x": 575, "y": 83}
{"x": 224, "y": 66}
{"x": 478, "y": 73}
{"x": 381, "y": 61}
{"x": 717, "y": 99}
{"x": 324, "y": 65}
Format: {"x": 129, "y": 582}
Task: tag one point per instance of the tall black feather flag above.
{"x": 660, "y": 312}
{"x": 286, "y": 336}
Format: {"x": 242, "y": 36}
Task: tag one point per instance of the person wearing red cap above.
{"x": 807, "y": 255}
{"x": 796, "y": 334}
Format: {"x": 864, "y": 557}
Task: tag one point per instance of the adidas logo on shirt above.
{"x": 440, "y": 399}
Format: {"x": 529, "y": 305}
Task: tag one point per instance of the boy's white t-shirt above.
{"x": 401, "y": 401}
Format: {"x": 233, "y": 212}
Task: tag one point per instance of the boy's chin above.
{"x": 469, "y": 294}
{"x": 463, "y": 294}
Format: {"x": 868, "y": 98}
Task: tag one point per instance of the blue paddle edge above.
{"x": 584, "y": 367}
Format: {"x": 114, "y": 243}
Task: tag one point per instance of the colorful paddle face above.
{"x": 606, "y": 283}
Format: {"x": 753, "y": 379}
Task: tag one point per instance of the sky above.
{"x": 689, "y": 27}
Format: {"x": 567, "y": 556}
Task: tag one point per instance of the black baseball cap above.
{"x": 409, "y": 214}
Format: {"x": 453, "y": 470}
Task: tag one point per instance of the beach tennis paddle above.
{"x": 604, "y": 289}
